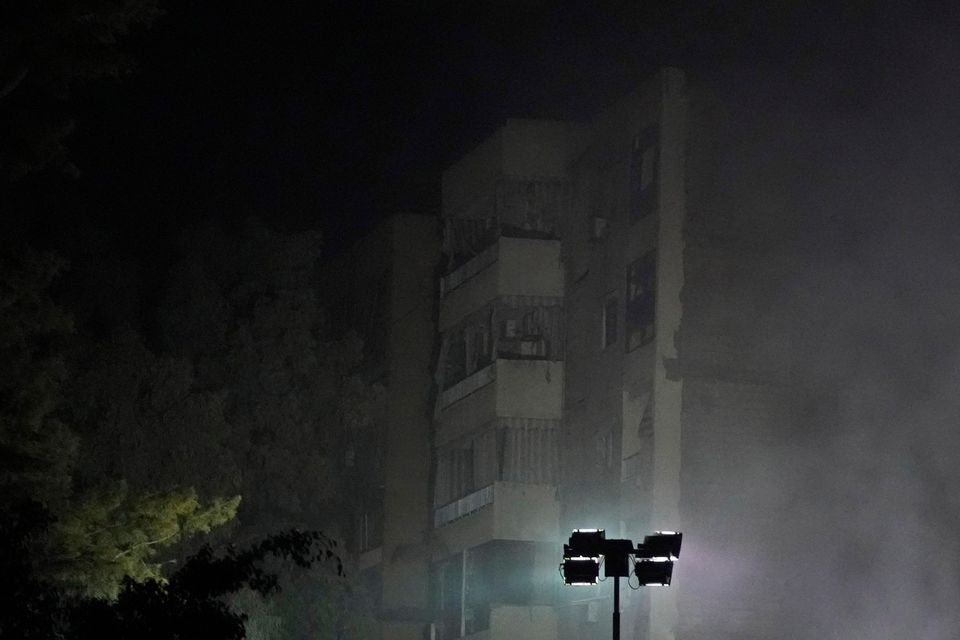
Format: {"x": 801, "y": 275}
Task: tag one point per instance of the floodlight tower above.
{"x": 652, "y": 561}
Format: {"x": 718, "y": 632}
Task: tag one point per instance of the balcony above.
{"x": 510, "y": 267}
{"x": 500, "y": 589}
{"x": 506, "y": 388}
{"x": 502, "y": 510}
{"x": 464, "y": 506}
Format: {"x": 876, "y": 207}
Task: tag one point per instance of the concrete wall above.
{"x": 407, "y": 503}
{"x": 524, "y": 267}
{"x": 521, "y": 388}
{"x": 466, "y": 415}
{"x": 540, "y": 148}
{"x": 393, "y": 269}
{"x": 529, "y": 623}
{"x": 529, "y": 389}
{"x": 668, "y": 390}
{"x": 518, "y": 512}
{"x": 521, "y": 148}
{"x": 525, "y": 512}
{"x": 469, "y": 296}
{"x": 529, "y": 267}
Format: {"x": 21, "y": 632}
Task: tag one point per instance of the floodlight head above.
{"x": 586, "y": 542}
{"x": 652, "y": 573}
{"x": 580, "y": 570}
{"x": 663, "y": 545}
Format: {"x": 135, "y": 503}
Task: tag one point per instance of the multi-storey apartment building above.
{"x": 593, "y": 344}
{"x": 596, "y": 307}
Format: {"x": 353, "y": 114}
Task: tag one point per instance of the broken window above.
{"x": 514, "y": 327}
{"x": 455, "y": 474}
{"x": 527, "y": 451}
{"x": 469, "y": 347}
{"x": 644, "y": 170}
{"x": 641, "y": 301}
{"x": 529, "y": 328}
{"x": 510, "y": 449}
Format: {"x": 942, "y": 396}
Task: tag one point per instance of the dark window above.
{"x": 644, "y": 174}
{"x": 641, "y": 301}
{"x": 611, "y": 311}
{"x": 469, "y": 348}
{"x": 455, "y": 475}
{"x": 456, "y": 358}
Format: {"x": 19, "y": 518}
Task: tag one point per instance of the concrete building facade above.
{"x": 597, "y": 305}
{"x": 577, "y": 349}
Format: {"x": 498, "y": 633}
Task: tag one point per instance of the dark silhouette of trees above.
{"x": 192, "y": 603}
{"x": 97, "y": 533}
{"x": 46, "y": 49}
{"x": 117, "y": 445}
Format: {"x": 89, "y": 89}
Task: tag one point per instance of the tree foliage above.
{"x": 98, "y": 534}
{"x": 46, "y": 48}
{"x": 36, "y": 447}
{"x": 144, "y": 419}
{"x": 108, "y": 537}
{"x": 245, "y": 309}
{"x": 193, "y": 603}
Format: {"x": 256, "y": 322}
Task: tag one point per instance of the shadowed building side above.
{"x": 386, "y": 286}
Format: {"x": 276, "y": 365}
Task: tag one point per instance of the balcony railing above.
{"x": 519, "y": 208}
{"x": 462, "y": 507}
{"x": 470, "y": 268}
{"x": 468, "y": 385}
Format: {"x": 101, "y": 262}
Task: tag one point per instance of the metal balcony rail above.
{"x": 463, "y": 506}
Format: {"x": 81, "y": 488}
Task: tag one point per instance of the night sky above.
{"x": 335, "y": 114}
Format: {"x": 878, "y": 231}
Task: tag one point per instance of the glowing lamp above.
{"x": 663, "y": 545}
{"x": 586, "y": 542}
{"x": 580, "y": 570}
{"x": 651, "y": 573}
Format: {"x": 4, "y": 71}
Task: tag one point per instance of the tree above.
{"x": 144, "y": 419}
{"x": 191, "y": 604}
{"x": 108, "y": 537}
{"x": 46, "y": 48}
{"x": 245, "y": 309}
{"x": 98, "y": 534}
{"x": 37, "y": 450}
